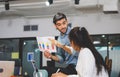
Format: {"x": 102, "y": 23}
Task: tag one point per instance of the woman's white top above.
{"x": 86, "y": 66}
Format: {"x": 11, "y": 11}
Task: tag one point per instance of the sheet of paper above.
{"x": 45, "y": 44}
{"x": 15, "y": 55}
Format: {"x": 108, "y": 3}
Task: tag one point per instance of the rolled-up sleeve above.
{"x": 72, "y": 51}
{"x": 61, "y": 60}
{"x": 59, "y": 55}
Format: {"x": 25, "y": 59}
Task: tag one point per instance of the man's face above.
{"x": 61, "y": 25}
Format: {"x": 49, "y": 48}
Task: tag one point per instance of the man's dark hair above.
{"x": 58, "y": 17}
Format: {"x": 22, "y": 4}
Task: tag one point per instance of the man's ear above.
{"x": 54, "y": 25}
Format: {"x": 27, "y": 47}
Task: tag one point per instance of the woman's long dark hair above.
{"x": 81, "y": 38}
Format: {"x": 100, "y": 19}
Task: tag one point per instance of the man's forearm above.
{"x": 65, "y": 47}
{"x": 54, "y": 58}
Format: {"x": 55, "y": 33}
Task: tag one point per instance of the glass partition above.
{"x": 17, "y": 48}
{"x": 8, "y": 47}
{"x": 109, "y": 45}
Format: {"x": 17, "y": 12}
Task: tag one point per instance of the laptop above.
{"x": 7, "y": 68}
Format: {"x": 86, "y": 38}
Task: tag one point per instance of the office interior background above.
{"x": 22, "y": 21}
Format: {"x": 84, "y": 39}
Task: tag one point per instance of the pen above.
{"x": 58, "y": 70}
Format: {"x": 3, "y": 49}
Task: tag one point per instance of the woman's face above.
{"x": 75, "y": 47}
{"x": 72, "y": 45}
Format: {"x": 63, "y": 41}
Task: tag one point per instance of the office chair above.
{"x": 37, "y": 72}
{"x": 108, "y": 63}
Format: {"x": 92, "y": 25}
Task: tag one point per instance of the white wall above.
{"x": 99, "y": 23}
{"x": 14, "y": 27}
{"x": 96, "y": 23}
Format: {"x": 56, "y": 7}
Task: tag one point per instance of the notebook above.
{"x": 7, "y": 68}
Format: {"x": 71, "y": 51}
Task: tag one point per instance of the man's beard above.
{"x": 62, "y": 31}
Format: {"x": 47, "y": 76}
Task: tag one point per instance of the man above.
{"x": 63, "y": 55}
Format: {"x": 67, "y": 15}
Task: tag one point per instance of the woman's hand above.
{"x": 59, "y": 75}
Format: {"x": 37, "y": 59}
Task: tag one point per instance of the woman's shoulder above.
{"x": 85, "y": 52}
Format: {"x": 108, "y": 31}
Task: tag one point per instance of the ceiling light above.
{"x": 103, "y": 35}
{"x": 77, "y": 2}
{"x": 47, "y": 3}
{"x": 50, "y": 1}
{"x": 7, "y": 5}
{"x": 96, "y": 42}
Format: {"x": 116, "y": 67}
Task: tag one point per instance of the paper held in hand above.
{"x": 45, "y": 44}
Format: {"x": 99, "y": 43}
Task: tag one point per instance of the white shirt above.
{"x": 86, "y": 66}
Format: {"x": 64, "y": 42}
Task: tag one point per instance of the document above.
{"x": 45, "y": 44}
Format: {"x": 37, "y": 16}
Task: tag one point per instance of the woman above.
{"x": 90, "y": 63}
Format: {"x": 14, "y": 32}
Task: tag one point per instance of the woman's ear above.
{"x": 75, "y": 47}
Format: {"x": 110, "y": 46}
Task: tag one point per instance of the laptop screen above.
{"x": 7, "y": 68}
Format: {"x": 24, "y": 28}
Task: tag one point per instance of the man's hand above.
{"x": 59, "y": 75}
{"x": 55, "y": 42}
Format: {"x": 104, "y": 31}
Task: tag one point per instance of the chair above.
{"x": 40, "y": 73}
{"x": 106, "y": 60}
{"x": 108, "y": 63}
{"x": 109, "y": 67}
{"x": 119, "y": 74}
{"x": 44, "y": 73}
